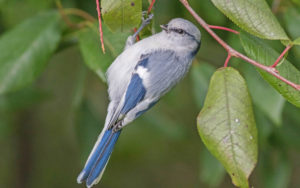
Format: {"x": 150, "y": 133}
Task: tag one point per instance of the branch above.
{"x": 281, "y": 55}
{"x": 64, "y": 16}
{"x": 80, "y": 13}
{"x": 151, "y": 6}
{"x": 233, "y": 52}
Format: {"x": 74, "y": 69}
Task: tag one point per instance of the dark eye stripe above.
{"x": 180, "y": 31}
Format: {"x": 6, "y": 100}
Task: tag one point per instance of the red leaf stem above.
{"x": 281, "y": 56}
{"x": 100, "y": 25}
{"x": 227, "y": 60}
{"x": 151, "y": 6}
{"x": 223, "y": 28}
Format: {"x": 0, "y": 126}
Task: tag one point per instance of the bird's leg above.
{"x": 145, "y": 21}
{"x": 117, "y": 126}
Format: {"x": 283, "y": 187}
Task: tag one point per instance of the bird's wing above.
{"x": 155, "y": 74}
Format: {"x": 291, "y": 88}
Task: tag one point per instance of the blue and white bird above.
{"x": 137, "y": 79}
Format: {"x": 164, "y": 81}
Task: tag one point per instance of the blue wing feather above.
{"x": 157, "y": 63}
{"x": 134, "y": 94}
{"x": 136, "y": 91}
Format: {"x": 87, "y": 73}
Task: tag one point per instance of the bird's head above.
{"x": 183, "y": 30}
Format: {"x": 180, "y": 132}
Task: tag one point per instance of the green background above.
{"x": 48, "y": 128}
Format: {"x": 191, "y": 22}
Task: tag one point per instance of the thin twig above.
{"x": 233, "y": 52}
{"x": 151, "y": 6}
{"x": 64, "y": 16}
{"x": 223, "y": 28}
{"x": 227, "y": 60}
{"x": 100, "y": 26}
{"x": 137, "y": 36}
{"x": 80, "y": 13}
{"x": 281, "y": 56}
{"x": 64, "y": 12}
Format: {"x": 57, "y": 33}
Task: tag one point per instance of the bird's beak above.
{"x": 164, "y": 27}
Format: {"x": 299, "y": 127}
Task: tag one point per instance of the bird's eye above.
{"x": 180, "y": 31}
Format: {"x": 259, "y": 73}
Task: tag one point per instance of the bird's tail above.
{"x": 98, "y": 158}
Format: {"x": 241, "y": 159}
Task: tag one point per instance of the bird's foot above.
{"x": 146, "y": 20}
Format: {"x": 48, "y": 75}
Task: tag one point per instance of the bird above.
{"x": 144, "y": 72}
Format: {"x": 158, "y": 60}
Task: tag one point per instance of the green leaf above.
{"x": 212, "y": 172}
{"x": 90, "y": 47}
{"x": 264, "y": 96}
{"x": 212, "y": 15}
{"x": 121, "y": 15}
{"x": 292, "y": 19}
{"x": 254, "y": 16}
{"x": 297, "y": 2}
{"x": 201, "y": 74}
{"x": 26, "y": 49}
{"x": 227, "y": 127}
{"x": 264, "y": 54}
{"x": 297, "y": 41}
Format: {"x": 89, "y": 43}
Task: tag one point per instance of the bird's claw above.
{"x": 144, "y": 13}
{"x": 146, "y": 19}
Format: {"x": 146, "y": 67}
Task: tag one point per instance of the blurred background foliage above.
{"x": 48, "y": 128}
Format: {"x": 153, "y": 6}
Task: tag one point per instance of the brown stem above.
{"x": 64, "y": 16}
{"x": 65, "y": 12}
{"x": 233, "y": 52}
{"x": 80, "y": 13}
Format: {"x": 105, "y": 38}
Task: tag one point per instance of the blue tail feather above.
{"x": 98, "y": 159}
